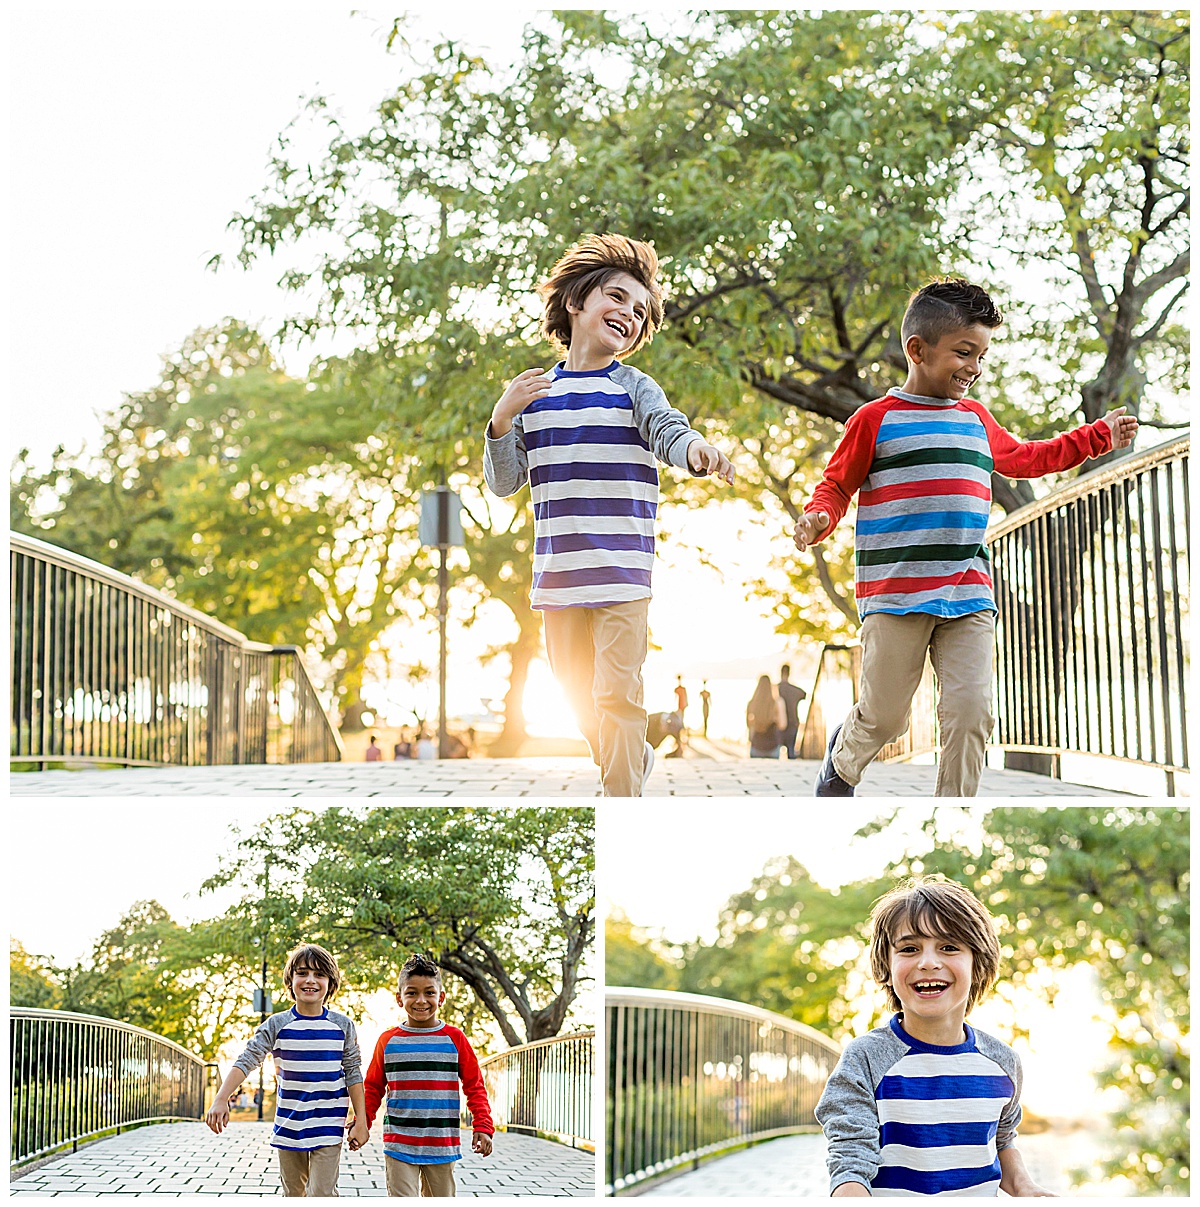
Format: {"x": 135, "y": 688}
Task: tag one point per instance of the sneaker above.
{"x": 647, "y": 762}
{"x": 828, "y": 782}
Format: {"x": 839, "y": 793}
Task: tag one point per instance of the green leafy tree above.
{"x": 31, "y": 979}
{"x": 502, "y": 899}
{"x": 188, "y": 984}
{"x": 632, "y": 958}
{"x": 258, "y": 498}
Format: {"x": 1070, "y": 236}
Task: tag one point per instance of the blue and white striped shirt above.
{"x": 316, "y": 1060}
{"x": 904, "y": 1117}
{"x": 589, "y": 449}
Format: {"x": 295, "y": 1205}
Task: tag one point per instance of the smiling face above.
{"x": 420, "y": 997}
{"x": 310, "y": 988}
{"x": 610, "y": 322}
{"x": 950, "y": 367}
{"x": 931, "y": 975}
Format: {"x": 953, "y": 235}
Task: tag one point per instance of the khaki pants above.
{"x": 597, "y": 655}
{"x": 313, "y": 1173}
{"x": 412, "y": 1181}
{"x": 893, "y": 659}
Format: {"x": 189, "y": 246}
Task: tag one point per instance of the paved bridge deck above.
{"x": 795, "y": 1166}
{"x": 532, "y": 777}
{"x": 186, "y": 1158}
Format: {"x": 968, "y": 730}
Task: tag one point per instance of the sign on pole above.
{"x": 441, "y": 525}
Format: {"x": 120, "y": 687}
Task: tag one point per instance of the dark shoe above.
{"x": 829, "y": 783}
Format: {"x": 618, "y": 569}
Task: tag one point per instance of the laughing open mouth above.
{"x": 618, "y": 327}
{"x": 930, "y": 988}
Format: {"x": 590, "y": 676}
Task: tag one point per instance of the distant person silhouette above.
{"x": 764, "y": 720}
{"x": 791, "y": 695}
{"x": 403, "y": 747}
{"x": 374, "y": 754}
{"x": 705, "y": 704}
{"x": 681, "y": 697}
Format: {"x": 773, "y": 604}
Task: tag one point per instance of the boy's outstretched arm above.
{"x": 476, "y": 1094}
{"x": 1031, "y": 458}
{"x": 1015, "y": 1179}
{"x": 505, "y": 460}
{"x": 360, "y": 1129}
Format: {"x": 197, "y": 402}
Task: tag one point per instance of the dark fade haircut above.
{"x": 929, "y": 906}
{"x": 418, "y": 965}
{"x": 589, "y": 265}
{"x": 945, "y": 305}
{"x": 309, "y": 955}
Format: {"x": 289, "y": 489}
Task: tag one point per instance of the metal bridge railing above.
{"x": 835, "y": 692}
{"x": 1093, "y": 651}
{"x": 689, "y": 1076}
{"x": 545, "y": 1088}
{"x": 106, "y": 669}
{"x": 75, "y": 1077}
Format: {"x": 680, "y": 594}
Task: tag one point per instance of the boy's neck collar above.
{"x": 324, "y": 1010}
{"x": 966, "y": 1043}
{"x": 433, "y": 1026}
{"x": 561, "y": 369}
{"x": 925, "y": 399}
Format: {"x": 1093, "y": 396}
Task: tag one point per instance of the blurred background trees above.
{"x": 799, "y": 175}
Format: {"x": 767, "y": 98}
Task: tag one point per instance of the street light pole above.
{"x": 262, "y": 1004}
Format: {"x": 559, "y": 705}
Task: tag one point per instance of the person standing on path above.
{"x": 791, "y": 695}
{"x": 374, "y": 754}
{"x": 681, "y": 698}
{"x": 705, "y": 705}
{"x": 764, "y": 720}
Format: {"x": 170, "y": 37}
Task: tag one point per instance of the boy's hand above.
{"x": 359, "y": 1133}
{"x": 525, "y": 388}
{"x": 1123, "y": 427}
{"x": 704, "y": 458}
{"x": 481, "y": 1143}
{"x": 850, "y": 1190}
{"x": 218, "y": 1115}
{"x": 808, "y": 527}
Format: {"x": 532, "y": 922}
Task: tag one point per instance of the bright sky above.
{"x": 689, "y": 859}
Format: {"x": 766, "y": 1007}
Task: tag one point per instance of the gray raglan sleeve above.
{"x": 1010, "y": 1116}
{"x": 850, "y": 1119}
{"x": 505, "y": 462}
{"x": 261, "y": 1046}
{"x": 351, "y": 1056}
{"x": 666, "y": 430}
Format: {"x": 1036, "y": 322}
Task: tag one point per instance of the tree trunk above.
{"x": 522, "y": 652}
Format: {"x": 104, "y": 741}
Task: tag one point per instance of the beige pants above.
{"x": 412, "y": 1181}
{"x": 597, "y": 655}
{"x": 313, "y": 1173}
{"x": 893, "y": 660}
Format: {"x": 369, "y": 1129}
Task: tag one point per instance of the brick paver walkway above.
{"x": 534, "y": 777}
{"x": 795, "y": 1165}
{"x": 186, "y": 1158}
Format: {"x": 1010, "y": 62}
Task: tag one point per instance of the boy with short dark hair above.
{"x": 318, "y": 1076}
{"x": 418, "y": 1066}
{"x": 927, "y": 1104}
{"x": 586, "y": 435}
{"x": 920, "y": 460}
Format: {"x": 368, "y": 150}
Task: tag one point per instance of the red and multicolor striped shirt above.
{"x": 419, "y": 1071}
{"x": 922, "y": 470}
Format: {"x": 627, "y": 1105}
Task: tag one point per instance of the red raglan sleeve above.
{"x": 1031, "y": 458}
{"x": 375, "y": 1082}
{"x": 848, "y": 466}
{"x": 472, "y": 1084}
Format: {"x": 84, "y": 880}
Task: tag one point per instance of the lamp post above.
{"x": 441, "y": 525}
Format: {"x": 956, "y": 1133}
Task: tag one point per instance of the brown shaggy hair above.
{"x": 309, "y": 955}
{"x": 589, "y": 265}
{"x": 929, "y": 906}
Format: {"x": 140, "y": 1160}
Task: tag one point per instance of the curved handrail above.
{"x": 545, "y": 1088}
{"x": 75, "y": 1077}
{"x": 691, "y": 1076}
{"x": 107, "y": 669}
{"x": 1092, "y": 629}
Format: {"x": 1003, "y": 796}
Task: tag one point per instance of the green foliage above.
{"x": 31, "y": 979}
{"x": 631, "y": 958}
{"x": 502, "y": 899}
